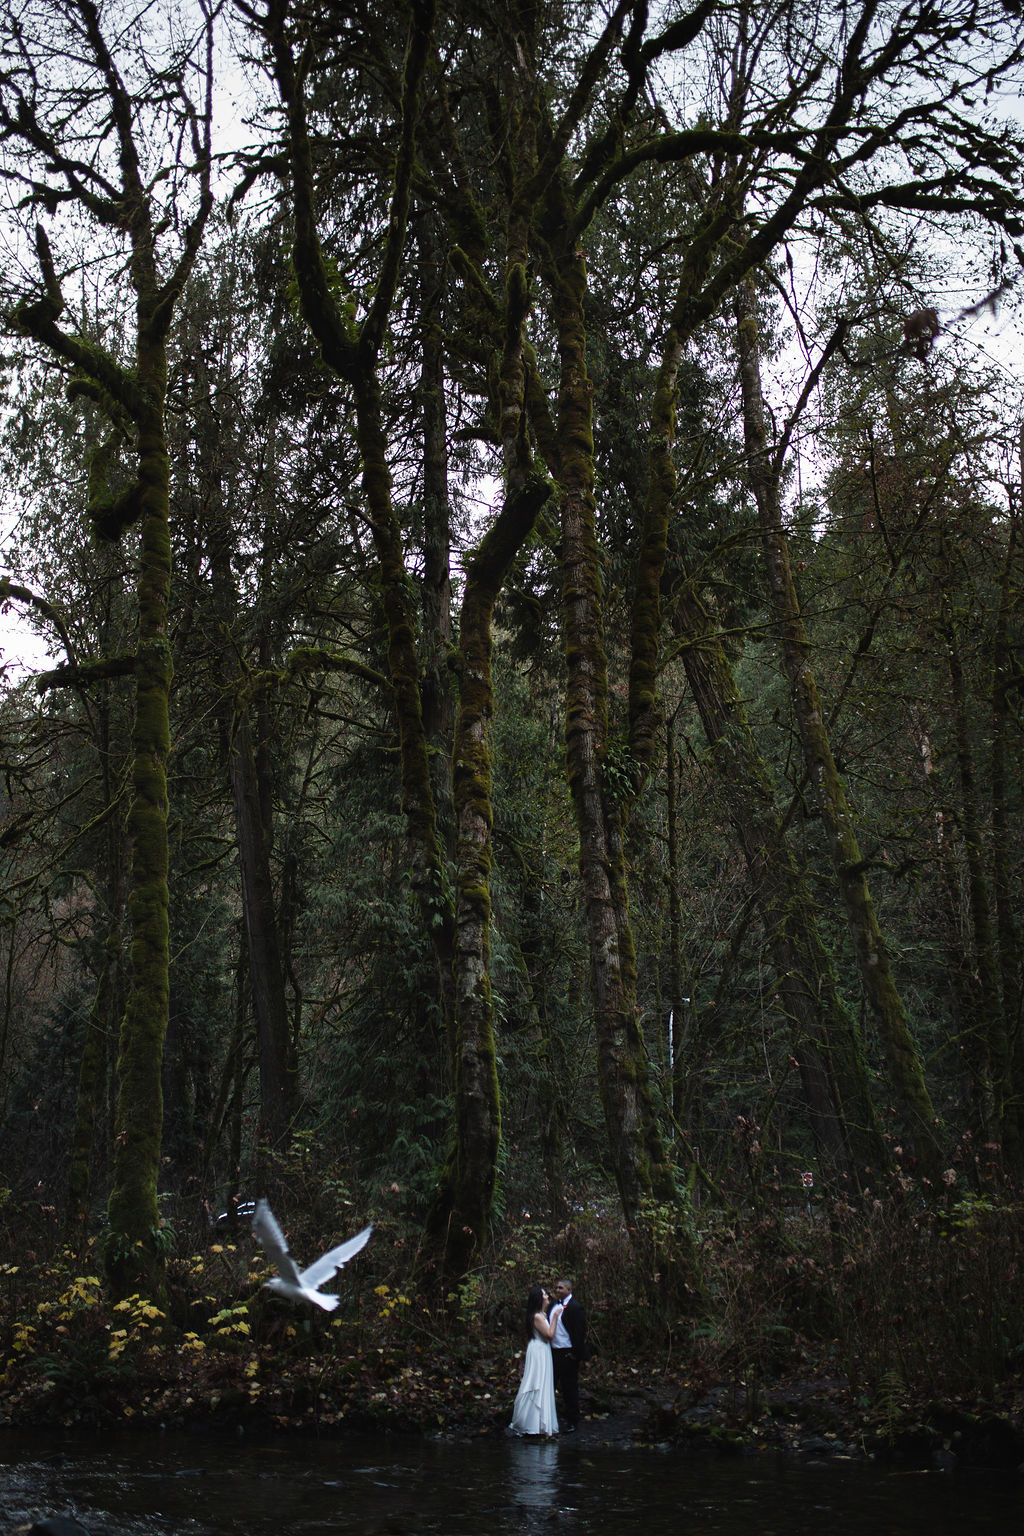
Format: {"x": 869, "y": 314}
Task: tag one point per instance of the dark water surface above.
{"x": 188, "y": 1485}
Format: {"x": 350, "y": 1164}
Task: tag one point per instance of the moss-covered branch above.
{"x": 38, "y": 319}
{"x": 305, "y": 660}
{"x": 13, "y": 591}
{"x": 417, "y": 54}
{"x": 82, "y": 675}
{"x": 331, "y": 320}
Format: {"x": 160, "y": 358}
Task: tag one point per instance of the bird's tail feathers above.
{"x": 323, "y": 1299}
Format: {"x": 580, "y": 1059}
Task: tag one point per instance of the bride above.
{"x": 534, "y": 1411}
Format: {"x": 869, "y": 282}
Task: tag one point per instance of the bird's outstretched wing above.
{"x": 331, "y": 1262}
{"x": 265, "y": 1226}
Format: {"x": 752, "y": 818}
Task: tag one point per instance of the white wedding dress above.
{"x": 534, "y": 1411}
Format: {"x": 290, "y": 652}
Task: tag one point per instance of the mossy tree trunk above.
{"x": 682, "y": 1045}
{"x": 252, "y": 802}
{"x": 1006, "y": 919}
{"x": 606, "y": 777}
{"x": 880, "y": 989}
{"x": 274, "y": 1053}
{"x": 457, "y": 923}
{"x": 134, "y": 1255}
{"x": 120, "y": 196}
{"x": 103, "y": 1018}
{"x": 987, "y": 1038}
{"x": 465, "y": 1197}
{"x": 351, "y": 347}
{"x": 96, "y": 1068}
{"x": 245, "y": 712}
{"x": 598, "y": 778}
{"x": 438, "y": 703}
{"x": 134, "y": 1258}
{"x": 955, "y": 940}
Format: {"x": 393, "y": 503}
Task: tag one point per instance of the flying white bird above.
{"x": 288, "y": 1281}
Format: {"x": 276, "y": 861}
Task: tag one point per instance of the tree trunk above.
{"x": 960, "y": 981}
{"x": 102, "y": 1019}
{"x": 436, "y": 588}
{"x": 987, "y": 1035}
{"x": 879, "y": 985}
{"x": 463, "y": 1206}
{"x": 1007, "y": 937}
{"x": 134, "y": 1253}
{"x": 824, "y": 1037}
{"x": 638, "y": 1155}
{"x": 428, "y": 872}
{"x": 96, "y": 1070}
{"x": 466, "y": 1196}
{"x": 459, "y": 930}
{"x": 352, "y": 351}
{"x": 133, "y": 401}
{"x": 681, "y": 1054}
{"x": 263, "y": 940}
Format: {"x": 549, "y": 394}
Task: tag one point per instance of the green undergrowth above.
{"x": 846, "y": 1322}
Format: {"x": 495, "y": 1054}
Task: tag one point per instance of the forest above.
{"x": 523, "y": 505}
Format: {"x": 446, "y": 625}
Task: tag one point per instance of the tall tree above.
{"x": 457, "y": 922}
{"x": 92, "y": 128}
{"x": 234, "y": 497}
{"x": 1004, "y": 692}
{"x": 923, "y": 554}
{"x": 765, "y": 471}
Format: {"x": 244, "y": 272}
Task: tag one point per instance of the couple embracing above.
{"x": 557, "y": 1329}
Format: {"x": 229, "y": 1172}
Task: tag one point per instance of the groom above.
{"x": 568, "y": 1352}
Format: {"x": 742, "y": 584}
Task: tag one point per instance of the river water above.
{"x": 177, "y": 1484}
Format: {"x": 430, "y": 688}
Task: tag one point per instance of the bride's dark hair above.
{"x": 534, "y": 1304}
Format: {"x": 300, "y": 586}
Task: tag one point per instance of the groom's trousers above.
{"x": 567, "y": 1381}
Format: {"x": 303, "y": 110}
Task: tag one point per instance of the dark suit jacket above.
{"x": 575, "y": 1320}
